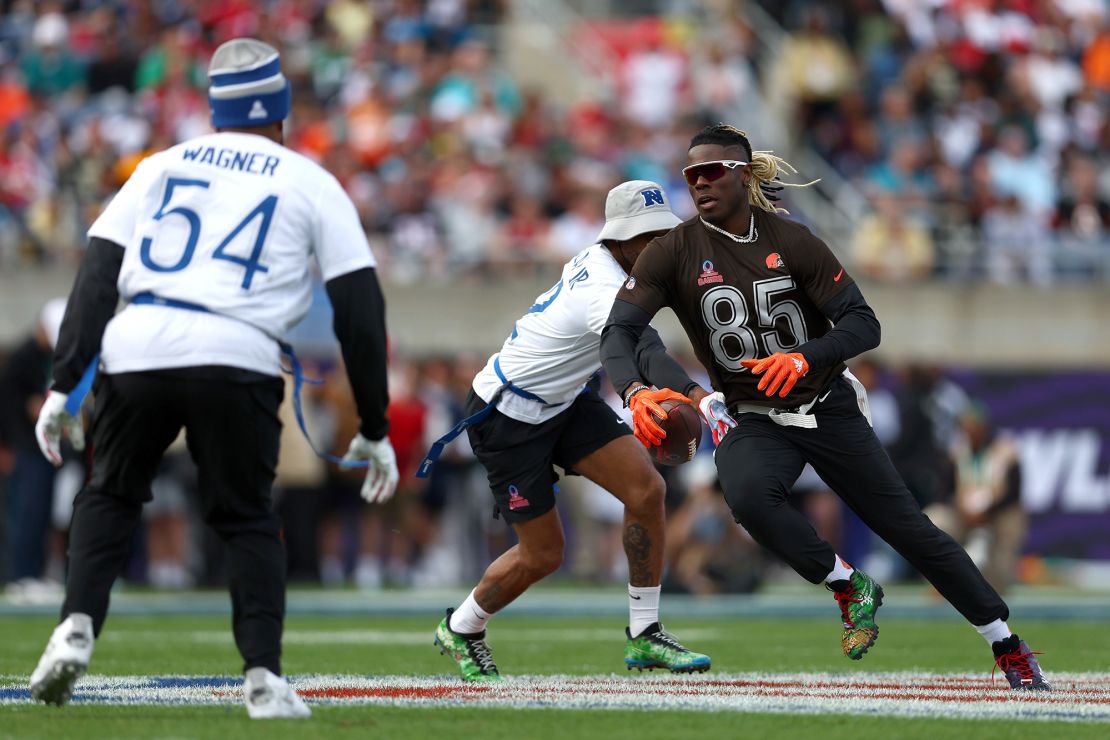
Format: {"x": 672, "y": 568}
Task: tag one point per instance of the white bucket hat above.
{"x": 637, "y": 207}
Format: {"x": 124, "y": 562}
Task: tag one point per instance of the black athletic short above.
{"x": 518, "y": 456}
{"x": 232, "y": 429}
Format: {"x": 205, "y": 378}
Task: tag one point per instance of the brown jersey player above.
{"x": 773, "y": 316}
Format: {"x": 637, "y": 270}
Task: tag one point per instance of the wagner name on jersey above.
{"x": 226, "y": 221}
{"x": 553, "y": 349}
{"x": 741, "y": 301}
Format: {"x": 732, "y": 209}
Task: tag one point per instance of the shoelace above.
{"x": 666, "y": 639}
{"x": 845, "y": 599}
{"x": 1017, "y": 661}
{"x": 482, "y": 655}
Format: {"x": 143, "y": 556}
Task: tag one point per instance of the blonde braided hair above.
{"x": 766, "y": 166}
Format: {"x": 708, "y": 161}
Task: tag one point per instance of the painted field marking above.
{"x": 396, "y": 637}
{"x": 1075, "y": 696}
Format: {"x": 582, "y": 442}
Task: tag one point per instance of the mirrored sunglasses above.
{"x": 711, "y": 171}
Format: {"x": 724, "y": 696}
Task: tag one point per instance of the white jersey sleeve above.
{"x": 340, "y": 243}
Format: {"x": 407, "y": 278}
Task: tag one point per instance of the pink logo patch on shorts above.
{"x": 516, "y": 501}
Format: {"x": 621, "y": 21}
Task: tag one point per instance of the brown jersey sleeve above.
{"x": 650, "y": 285}
{"x": 818, "y": 271}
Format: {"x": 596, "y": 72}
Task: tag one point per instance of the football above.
{"x": 683, "y": 428}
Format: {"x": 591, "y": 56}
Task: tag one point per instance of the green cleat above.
{"x": 859, "y": 598}
{"x": 470, "y": 652}
{"x": 654, "y": 648}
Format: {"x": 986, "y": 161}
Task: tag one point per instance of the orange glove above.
{"x": 781, "y": 368}
{"x": 644, "y": 405}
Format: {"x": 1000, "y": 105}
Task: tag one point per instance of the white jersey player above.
{"x": 533, "y": 407}
{"x": 553, "y": 349}
{"x": 209, "y": 246}
{"x": 230, "y": 222}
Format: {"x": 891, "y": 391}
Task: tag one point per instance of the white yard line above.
{"x": 395, "y": 637}
{"x": 1076, "y": 696}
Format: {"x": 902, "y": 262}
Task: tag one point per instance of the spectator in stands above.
{"x": 811, "y": 72}
{"x": 1017, "y": 171}
{"x": 725, "y": 86}
{"x": 1096, "y": 60}
{"x": 918, "y": 452}
{"x": 1016, "y": 244}
{"x": 23, "y": 383}
{"x": 50, "y": 68}
{"x": 523, "y": 235}
{"x": 655, "y": 78}
{"x": 1082, "y": 212}
{"x": 472, "y": 76}
{"x": 986, "y": 494}
{"x": 890, "y": 245}
{"x": 579, "y": 225}
{"x": 706, "y": 553}
{"x": 167, "y": 522}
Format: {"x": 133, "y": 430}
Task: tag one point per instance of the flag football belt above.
{"x": 796, "y": 417}
{"x": 801, "y": 416}
{"x": 81, "y": 390}
{"x": 436, "y": 449}
{"x": 513, "y": 388}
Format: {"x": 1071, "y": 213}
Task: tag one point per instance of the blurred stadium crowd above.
{"x": 977, "y": 129}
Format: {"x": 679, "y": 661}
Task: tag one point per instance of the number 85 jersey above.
{"x": 741, "y": 301}
{"x": 229, "y": 222}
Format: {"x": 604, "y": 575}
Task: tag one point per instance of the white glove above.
{"x": 53, "y": 420}
{"x": 716, "y": 415}
{"x": 382, "y": 474}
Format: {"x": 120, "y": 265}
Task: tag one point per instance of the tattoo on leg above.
{"x": 492, "y": 600}
{"x": 637, "y": 546}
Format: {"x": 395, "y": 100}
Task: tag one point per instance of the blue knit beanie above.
{"x": 247, "y": 86}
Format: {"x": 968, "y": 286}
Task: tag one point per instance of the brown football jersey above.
{"x": 742, "y": 301}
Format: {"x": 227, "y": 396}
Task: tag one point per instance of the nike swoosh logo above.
{"x": 634, "y": 597}
{"x": 837, "y": 278}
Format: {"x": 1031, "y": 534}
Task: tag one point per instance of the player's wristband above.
{"x": 635, "y": 389}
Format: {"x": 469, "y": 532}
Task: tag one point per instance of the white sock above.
{"x": 841, "y": 571}
{"x": 469, "y": 618}
{"x": 993, "y": 632}
{"x": 643, "y": 608}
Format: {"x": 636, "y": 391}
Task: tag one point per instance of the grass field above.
{"x": 578, "y": 646}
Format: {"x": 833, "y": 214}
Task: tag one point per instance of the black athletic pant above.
{"x": 232, "y": 427}
{"x": 759, "y": 461}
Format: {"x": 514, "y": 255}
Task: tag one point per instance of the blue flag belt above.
{"x": 81, "y": 390}
{"x": 436, "y": 449}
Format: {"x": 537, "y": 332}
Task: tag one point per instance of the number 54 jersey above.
{"x": 741, "y": 301}
{"x": 228, "y": 222}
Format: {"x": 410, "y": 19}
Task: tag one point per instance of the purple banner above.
{"x": 1061, "y": 421}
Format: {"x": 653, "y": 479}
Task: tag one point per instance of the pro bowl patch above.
{"x": 709, "y": 275}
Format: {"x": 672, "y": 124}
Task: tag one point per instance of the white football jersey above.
{"x": 227, "y": 221}
{"x": 553, "y": 349}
